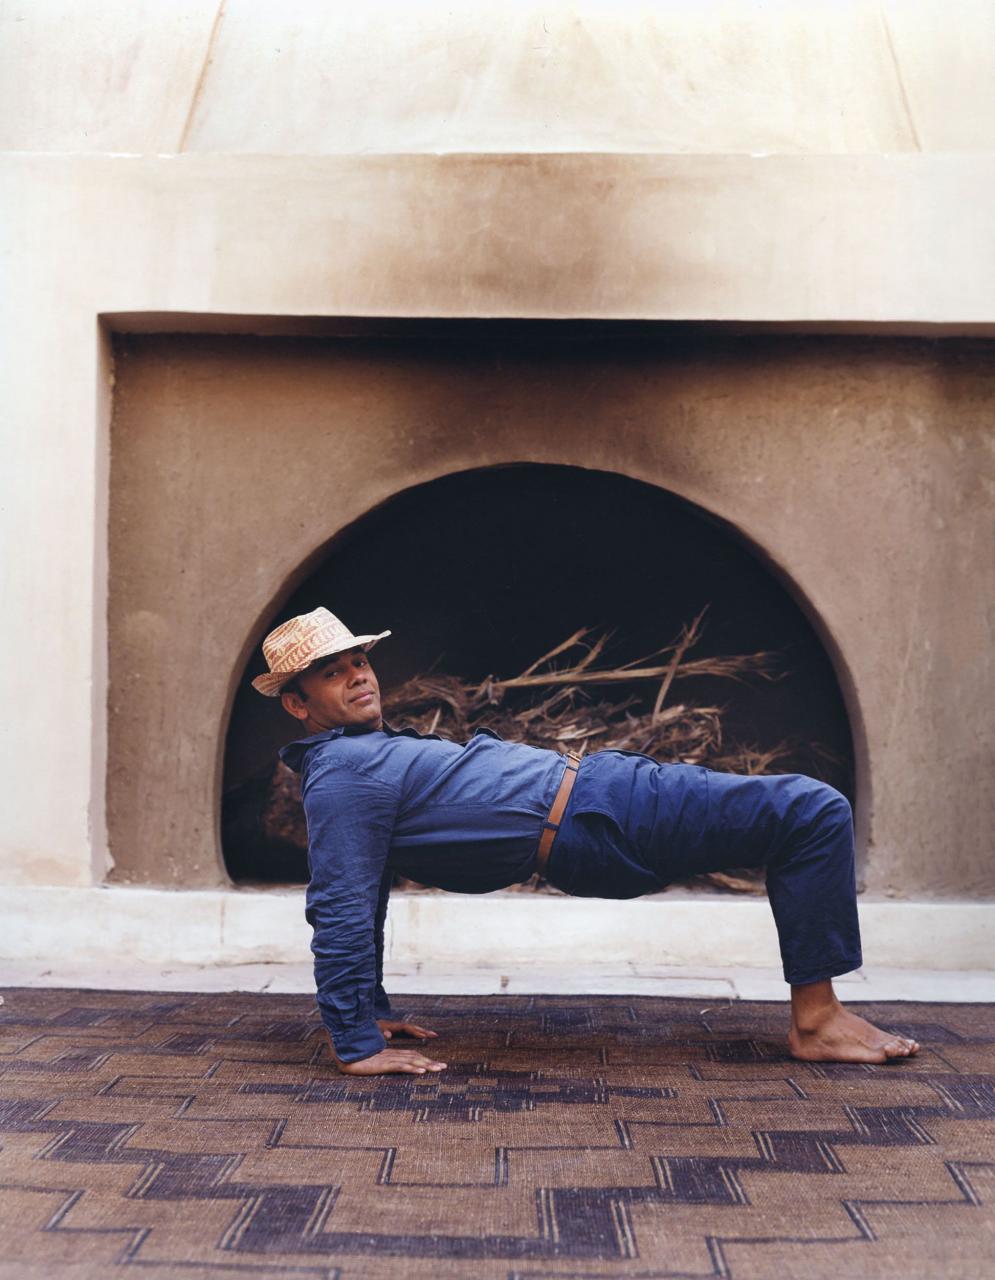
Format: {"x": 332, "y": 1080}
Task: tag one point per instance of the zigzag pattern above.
{"x": 281, "y": 1160}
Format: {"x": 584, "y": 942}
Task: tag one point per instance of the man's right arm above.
{"x": 350, "y": 819}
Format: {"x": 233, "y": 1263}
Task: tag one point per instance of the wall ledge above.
{"x": 241, "y": 926}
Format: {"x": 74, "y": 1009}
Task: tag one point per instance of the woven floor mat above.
{"x": 204, "y": 1136}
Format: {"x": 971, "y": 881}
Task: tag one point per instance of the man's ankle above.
{"x": 812, "y": 1004}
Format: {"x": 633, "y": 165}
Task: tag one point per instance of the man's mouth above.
{"x": 364, "y": 697}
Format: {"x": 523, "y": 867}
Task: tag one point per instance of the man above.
{"x": 480, "y": 816}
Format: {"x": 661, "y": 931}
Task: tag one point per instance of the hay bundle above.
{"x": 558, "y": 702}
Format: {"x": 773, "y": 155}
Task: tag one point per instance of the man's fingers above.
{"x": 390, "y": 1028}
{"x": 392, "y": 1060}
{"x": 387, "y": 1035}
{"x": 430, "y": 1064}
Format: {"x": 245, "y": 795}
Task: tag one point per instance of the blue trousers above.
{"x": 633, "y": 826}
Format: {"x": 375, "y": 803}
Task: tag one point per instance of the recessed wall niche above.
{"x": 481, "y": 573}
{"x": 799, "y": 479}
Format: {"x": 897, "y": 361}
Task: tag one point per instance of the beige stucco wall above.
{"x": 822, "y": 233}
{"x": 308, "y": 77}
{"x": 728, "y": 239}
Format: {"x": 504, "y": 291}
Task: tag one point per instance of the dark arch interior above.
{"x": 481, "y": 572}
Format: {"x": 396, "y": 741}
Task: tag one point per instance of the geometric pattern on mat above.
{"x": 196, "y": 1136}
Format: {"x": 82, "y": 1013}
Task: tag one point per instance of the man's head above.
{"x": 338, "y": 690}
{"x": 321, "y": 672}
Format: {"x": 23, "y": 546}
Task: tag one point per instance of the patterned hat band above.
{"x": 292, "y": 646}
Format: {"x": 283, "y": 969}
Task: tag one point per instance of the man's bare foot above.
{"x": 823, "y": 1031}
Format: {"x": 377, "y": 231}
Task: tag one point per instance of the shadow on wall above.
{"x": 481, "y": 572}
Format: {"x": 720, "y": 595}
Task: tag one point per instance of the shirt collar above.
{"x": 293, "y": 753}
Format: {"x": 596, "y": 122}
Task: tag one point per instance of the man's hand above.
{"x": 387, "y": 1061}
{"x": 390, "y": 1029}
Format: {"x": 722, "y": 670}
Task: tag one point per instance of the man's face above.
{"x": 339, "y": 690}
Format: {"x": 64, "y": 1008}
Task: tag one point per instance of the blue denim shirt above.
{"x": 465, "y": 817}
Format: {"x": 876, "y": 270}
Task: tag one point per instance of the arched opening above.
{"x": 481, "y": 572}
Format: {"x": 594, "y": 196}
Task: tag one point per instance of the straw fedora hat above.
{"x": 296, "y": 643}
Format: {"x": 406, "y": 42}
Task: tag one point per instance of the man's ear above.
{"x": 292, "y": 703}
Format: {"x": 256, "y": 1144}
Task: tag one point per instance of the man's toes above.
{"x": 900, "y": 1046}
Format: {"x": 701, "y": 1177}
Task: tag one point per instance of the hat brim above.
{"x": 271, "y": 684}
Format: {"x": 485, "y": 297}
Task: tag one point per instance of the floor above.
{"x": 923, "y": 985}
{"x": 202, "y": 1136}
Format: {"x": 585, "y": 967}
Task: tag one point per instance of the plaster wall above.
{"x": 823, "y": 242}
{"x": 802, "y": 165}
{"x": 305, "y": 77}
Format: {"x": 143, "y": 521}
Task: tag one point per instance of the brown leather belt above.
{"x": 552, "y": 823}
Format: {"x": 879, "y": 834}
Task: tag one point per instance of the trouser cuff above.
{"x": 834, "y": 970}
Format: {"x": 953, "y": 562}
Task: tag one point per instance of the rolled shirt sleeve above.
{"x": 350, "y": 817}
